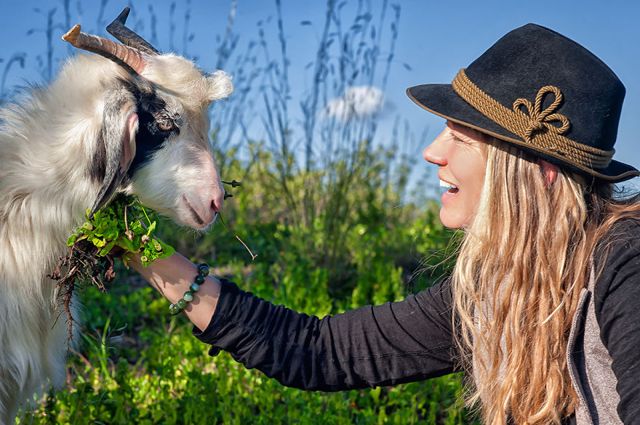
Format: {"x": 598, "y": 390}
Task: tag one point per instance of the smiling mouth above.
{"x": 450, "y": 187}
{"x": 194, "y": 214}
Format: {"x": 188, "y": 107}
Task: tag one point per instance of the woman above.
{"x": 541, "y": 307}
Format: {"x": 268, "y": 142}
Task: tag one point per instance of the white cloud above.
{"x": 356, "y": 102}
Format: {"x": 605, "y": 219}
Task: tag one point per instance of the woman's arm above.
{"x": 371, "y": 346}
{"x": 172, "y": 277}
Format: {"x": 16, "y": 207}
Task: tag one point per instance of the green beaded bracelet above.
{"x": 203, "y": 272}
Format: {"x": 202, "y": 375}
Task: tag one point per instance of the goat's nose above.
{"x": 217, "y": 201}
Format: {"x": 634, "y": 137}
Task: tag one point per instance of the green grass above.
{"x": 139, "y": 365}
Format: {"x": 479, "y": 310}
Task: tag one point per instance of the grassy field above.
{"x": 139, "y": 366}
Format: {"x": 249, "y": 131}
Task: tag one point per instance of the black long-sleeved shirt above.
{"x": 412, "y": 339}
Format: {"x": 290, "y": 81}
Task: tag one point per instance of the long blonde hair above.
{"x": 516, "y": 284}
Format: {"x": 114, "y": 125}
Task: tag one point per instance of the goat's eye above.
{"x": 166, "y": 123}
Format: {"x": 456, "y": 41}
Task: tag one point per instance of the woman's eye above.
{"x": 459, "y": 139}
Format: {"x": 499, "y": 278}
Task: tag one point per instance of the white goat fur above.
{"x": 47, "y": 144}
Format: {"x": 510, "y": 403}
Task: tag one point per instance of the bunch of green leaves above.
{"x": 123, "y": 225}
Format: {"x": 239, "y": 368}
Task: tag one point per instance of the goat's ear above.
{"x": 220, "y": 85}
{"x": 120, "y": 126}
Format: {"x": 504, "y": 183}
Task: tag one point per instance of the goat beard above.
{"x": 81, "y": 265}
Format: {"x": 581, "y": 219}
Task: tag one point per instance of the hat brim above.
{"x": 442, "y": 100}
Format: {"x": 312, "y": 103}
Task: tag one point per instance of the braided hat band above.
{"x": 536, "y": 127}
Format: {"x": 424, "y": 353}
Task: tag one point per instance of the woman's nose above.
{"x": 435, "y": 153}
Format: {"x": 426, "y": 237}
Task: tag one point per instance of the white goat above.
{"x": 134, "y": 122}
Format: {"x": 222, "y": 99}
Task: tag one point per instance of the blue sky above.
{"x": 435, "y": 39}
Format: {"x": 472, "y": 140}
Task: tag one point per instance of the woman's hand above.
{"x": 172, "y": 277}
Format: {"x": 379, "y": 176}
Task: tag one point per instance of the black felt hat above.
{"x": 543, "y": 92}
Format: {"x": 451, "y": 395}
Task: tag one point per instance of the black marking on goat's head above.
{"x": 157, "y": 123}
{"x": 114, "y": 147}
{"x": 98, "y": 166}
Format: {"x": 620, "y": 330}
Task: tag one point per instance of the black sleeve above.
{"x": 371, "y": 346}
{"x": 617, "y": 307}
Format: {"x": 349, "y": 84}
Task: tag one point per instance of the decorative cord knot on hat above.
{"x": 531, "y": 127}
{"x": 539, "y": 119}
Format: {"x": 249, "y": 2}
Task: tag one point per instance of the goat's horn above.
{"x": 123, "y": 55}
{"x": 126, "y": 36}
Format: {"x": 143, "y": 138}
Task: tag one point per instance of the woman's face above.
{"x": 461, "y": 156}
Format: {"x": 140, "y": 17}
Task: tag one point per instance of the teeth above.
{"x": 447, "y": 185}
